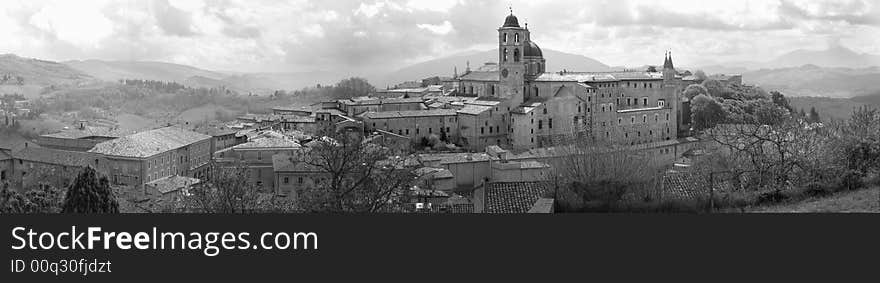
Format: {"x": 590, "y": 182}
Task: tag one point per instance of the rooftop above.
{"x": 57, "y": 157}
{"x": 410, "y": 113}
{"x": 268, "y": 142}
{"x": 87, "y": 131}
{"x": 597, "y": 76}
{"x": 474, "y": 109}
{"x": 517, "y": 197}
{"x": 489, "y": 76}
{"x": 149, "y": 143}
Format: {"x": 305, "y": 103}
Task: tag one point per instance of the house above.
{"x": 147, "y": 156}
{"x": 292, "y": 175}
{"x": 256, "y": 157}
{"x": 34, "y": 165}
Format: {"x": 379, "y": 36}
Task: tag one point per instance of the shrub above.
{"x": 851, "y": 180}
{"x": 774, "y": 196}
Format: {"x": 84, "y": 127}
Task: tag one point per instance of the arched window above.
{"x": 505, "y": 37}
{"x": 516, "y": 38}
{"x": 504, "y": 55}
{"x": 471, "y": 90}
{"x": 516, "y": 55}
{"x": 536, "y": 91}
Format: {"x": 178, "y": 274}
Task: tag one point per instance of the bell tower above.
{"x": 511, "y": 39}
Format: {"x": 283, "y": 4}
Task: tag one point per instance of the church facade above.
{"x": 531, "y": 108}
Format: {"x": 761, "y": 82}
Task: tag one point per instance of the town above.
{"x": 500, "y": 137}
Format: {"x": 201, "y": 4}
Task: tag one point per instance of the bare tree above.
{"x": 361, "y": 176}
{"x": 588, "y": 175}
{"x": 231, "y": 192}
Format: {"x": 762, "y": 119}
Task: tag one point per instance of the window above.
{"x": 505, "y": 38}
{"x": 299, "y": 180}
{"x": 490, "y": 130}
{"x": 667, "y": 116}
{"x": 417, "y": 131}
{"x": 482, "y": 130}
{"x": 516, "y": 37}
{"x": 644, "y": 118}
{"x": 632, "y": 119}
{"x": 430, "y": 130}
{"x": 550, "y": 123}
{"x": 286, "y": 180}
{"x": 620, "y": 121}
{"x": 545, "y": 110}
{"x": 516, "y": 55}
{"x": 3, "y": 175}
{"x": 447, "y": 129}
{"x": 503, "y": 56}
{"x": 540, "y": 124}
{"x": 645, "y": 101}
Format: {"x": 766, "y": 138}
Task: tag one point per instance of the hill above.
{"x": 827, "y": 107}
{"x": 556, "y": 61}
{"x": 258, "y": 83}
{"x": 160, "y": 71}
{"x": 834, "y": 57}
{"x": 36, "y": 74}
{"x": 811, "y": 80}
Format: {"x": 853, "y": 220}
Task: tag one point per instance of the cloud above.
{"x": 851, "y": 12}
{"x": 441, "y": 29}
{"x": 172, "y": 20}
{"x": 373, "y": 36}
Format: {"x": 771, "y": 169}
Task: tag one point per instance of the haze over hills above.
{"x": 260, "y": 83}
{"x": 812, "y": 80}
{"x": 556, "y": 61}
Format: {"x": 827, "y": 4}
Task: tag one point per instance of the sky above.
{"x": 383, "y": 35}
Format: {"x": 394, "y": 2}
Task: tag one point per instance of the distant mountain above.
{"x": 260, "y": 83}
{"x": 556, "y": 61}
{"x": 812, "y": 80}
{"x": 836, "y": 56}
{"x": 160, "y": 71}
{"x": 40, "y": 72}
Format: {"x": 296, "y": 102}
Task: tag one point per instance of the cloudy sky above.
{"x": 301, "y": 35}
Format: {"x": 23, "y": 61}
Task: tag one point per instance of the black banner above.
{"x": 412, "y": 247}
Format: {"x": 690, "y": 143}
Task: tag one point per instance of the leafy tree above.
{"x": 714, "y": 87}
{"x": 90, "y": 193}
{"x": 700, "y": 75}
{"x": 768, "y": 113}
{"x": 779, "y": 99}
{"x": 814, "y": 116}
{"x": 706, "y": 112}
{"x": 695, "y": 89}
{"x": 352, "y": 87}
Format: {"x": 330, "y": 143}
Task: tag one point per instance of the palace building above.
{"x": 530, "y": 107}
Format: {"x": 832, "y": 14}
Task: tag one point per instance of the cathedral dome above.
{"x": 530, "y": 49}
{"x": 511, "y": 22}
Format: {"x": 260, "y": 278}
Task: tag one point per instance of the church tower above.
{"x": 668, "y": 69}
{"x": 511, "y": 39}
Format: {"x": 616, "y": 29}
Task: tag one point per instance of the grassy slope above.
{"x": 866, "y": 200}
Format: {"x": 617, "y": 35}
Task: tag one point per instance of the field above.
{"x": 866, "y": 200}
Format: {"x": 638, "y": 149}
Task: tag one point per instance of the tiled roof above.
{"x": 597, "y": 77}
{"x": 516, "y": 197}
{"x": 691, "y": 185}
{"x": 410, "y": 113}
{"x": 149, "y": 143}
{"x": 268, "y": 142}
{"x": 491, "y": 76}
{"x": 57, "y": 157}
{"x": 474, "y": 109}
{"x": 436, "y": 173}
{"x": 88, "y": 131}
